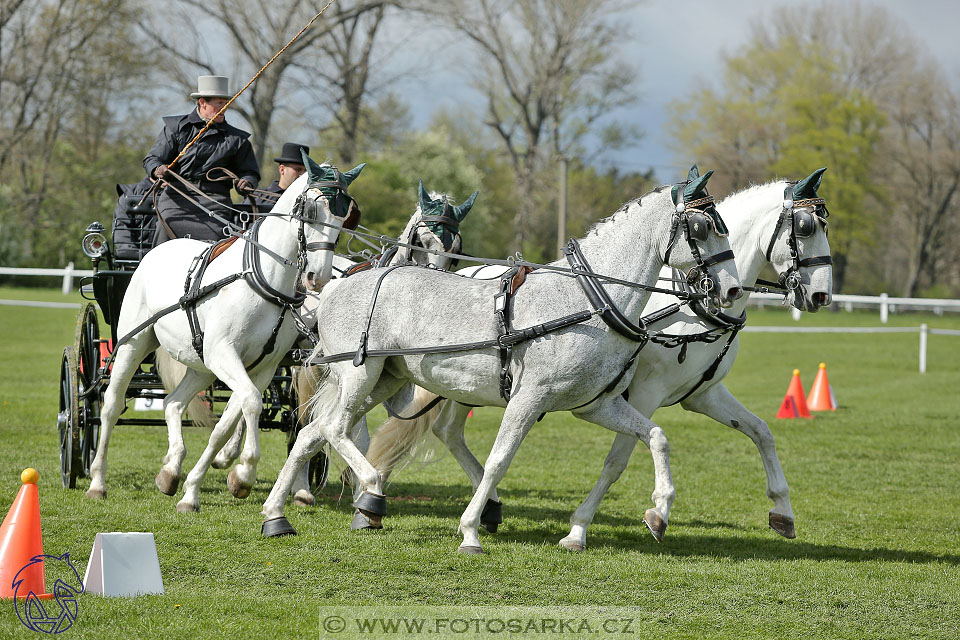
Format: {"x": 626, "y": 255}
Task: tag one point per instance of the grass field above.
{"x": 874, "y": 487}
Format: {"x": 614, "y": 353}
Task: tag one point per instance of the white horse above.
{"x": 248, "y": 310}
{"x": 761, "y": 233}
{"x": 577, "y": 364}
{"x": 434, "y": 226}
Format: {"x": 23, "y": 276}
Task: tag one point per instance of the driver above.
{"x": 222, "y": 145}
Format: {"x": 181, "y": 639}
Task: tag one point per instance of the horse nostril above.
{"x": 734, "y": 293}
{"x": 821, "y": 299}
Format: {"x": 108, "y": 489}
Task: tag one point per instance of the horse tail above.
{"x": 306, "y": 381}
{"x": 171, "y": 373}
{"x": 323, "y": 393}
{"x": 401, "y": 441}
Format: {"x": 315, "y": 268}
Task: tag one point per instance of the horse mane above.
{"x": 599, "y": 227}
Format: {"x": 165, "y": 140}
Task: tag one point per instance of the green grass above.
{"x": 874, "y": 487}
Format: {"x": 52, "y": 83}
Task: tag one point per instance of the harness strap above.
{"x": 271, "y": 341}
{"x": 255, "y": 277}
{"x": 513, "y": 338}
{"x": 361, "y": 353}
{"x": 711, "y": 370}
{"x": 423, "y": 411}
{"x": 599, "y": 298}
{"x": 613, "y": 383}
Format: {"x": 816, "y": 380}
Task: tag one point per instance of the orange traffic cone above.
{"x": 797, "y": 398}
{"x": 21, "y": 542}
{"x": 821, "y": 395}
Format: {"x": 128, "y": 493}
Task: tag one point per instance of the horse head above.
{"x": 324, "y": 208}
{"x": 697, "y": 243}
{"x": 434, "y": 226}
{"x": 798, "y": 248}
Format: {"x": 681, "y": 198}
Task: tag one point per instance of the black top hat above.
{"x": 291, "y": 153}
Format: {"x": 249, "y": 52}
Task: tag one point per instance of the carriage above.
{"x": 85, "y": 365}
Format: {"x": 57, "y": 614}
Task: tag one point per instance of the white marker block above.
{"x": 123, "y": 564}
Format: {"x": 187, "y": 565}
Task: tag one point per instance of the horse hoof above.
{"x": 276, "y": 527}
{"x": 96, "y": 494}
{"x": 469, "y": 550}
{"x": 167, "y": 483}
{"x": 304, "y": 498}
{"x": 237, "y": 488}
{"x": 365, "y": 520}
{"x": 655, "y": 523}
{"x": 220, "y": 464}
{"x": 492, "y": 515}
{"x": 783, "y": 525}
{"x": 187, "y": 507}
{"x": 572, "y": 545}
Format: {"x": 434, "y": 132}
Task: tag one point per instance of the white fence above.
{"x": 883, "y": 302}
{"x": 923, "y": 330}
{"x": 67, "y": 273}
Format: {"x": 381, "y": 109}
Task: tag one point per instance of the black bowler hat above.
{"x": 291, "y": 153}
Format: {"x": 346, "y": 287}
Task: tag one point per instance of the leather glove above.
{"x": 160, "y": 171}
{"x": 244, "y": 187}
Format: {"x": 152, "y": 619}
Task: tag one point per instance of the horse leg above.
{"x": 125, "y": 364}
{"x": 168, "y": 479}
{"x": 191, "y": 488}
{"x": 718, "y": 403}
{"x": 617, "y": 415}
{"x": 243, "y": 476}
{"x": 449, "y": 428}
{"x": 245, "y": 397}
{"x": 337, "y": 404}
{"x": 518, "y": 417}
{"x": 613, "y": 466}
{"x": 231, "y": 450}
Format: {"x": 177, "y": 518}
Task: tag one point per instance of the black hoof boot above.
{"x": 492, "y": 515}
{"x": 276, "y": 527}
{"x": 363, "y": 521}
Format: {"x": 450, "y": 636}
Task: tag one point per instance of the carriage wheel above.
{"x": 68, "y": 420}
{"x": 87, "y": 346}
{"x": 319, "y": 464}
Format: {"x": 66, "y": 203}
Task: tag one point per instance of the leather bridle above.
{"x": 697, "y": 223}
{"x": 801, "y": 225}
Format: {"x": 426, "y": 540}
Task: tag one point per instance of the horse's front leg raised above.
{"x": 617, "y": 414}
{"x": 718, "y": 403}
{"x": 613, "y": 466}
{"x": 521, "y": 414}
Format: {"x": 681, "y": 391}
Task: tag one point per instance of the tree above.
{"x": 66, "y": 118}
{"x": 548, "y": 76}
{"x": 255, "y": 32}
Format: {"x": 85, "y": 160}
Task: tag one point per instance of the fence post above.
{"x": 795, "y": 313}
{"x": 923, "y": 348}
{"x": 68, "y": 278}
{"x": 884, "y": 310}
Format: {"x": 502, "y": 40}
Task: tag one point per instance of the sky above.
{"x": 674, "y": 53}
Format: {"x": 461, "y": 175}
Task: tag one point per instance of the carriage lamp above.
{"x": 95, "y": 243}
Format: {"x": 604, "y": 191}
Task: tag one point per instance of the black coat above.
{"x": 222, "y": 145}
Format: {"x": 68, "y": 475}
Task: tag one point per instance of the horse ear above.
{"x": 697, "y": 188}
{"x": 807, "y": 188}
{"x": 314, "y": 171}
{"x": 351, "y": 175}
{"x": 423, "y": 197}
{"x": 461, "y": 212}
{"x": 693, "y": 174}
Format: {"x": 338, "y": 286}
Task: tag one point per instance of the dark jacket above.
{"x": 265, "y": 205}
{"x": 222, "y": 145}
